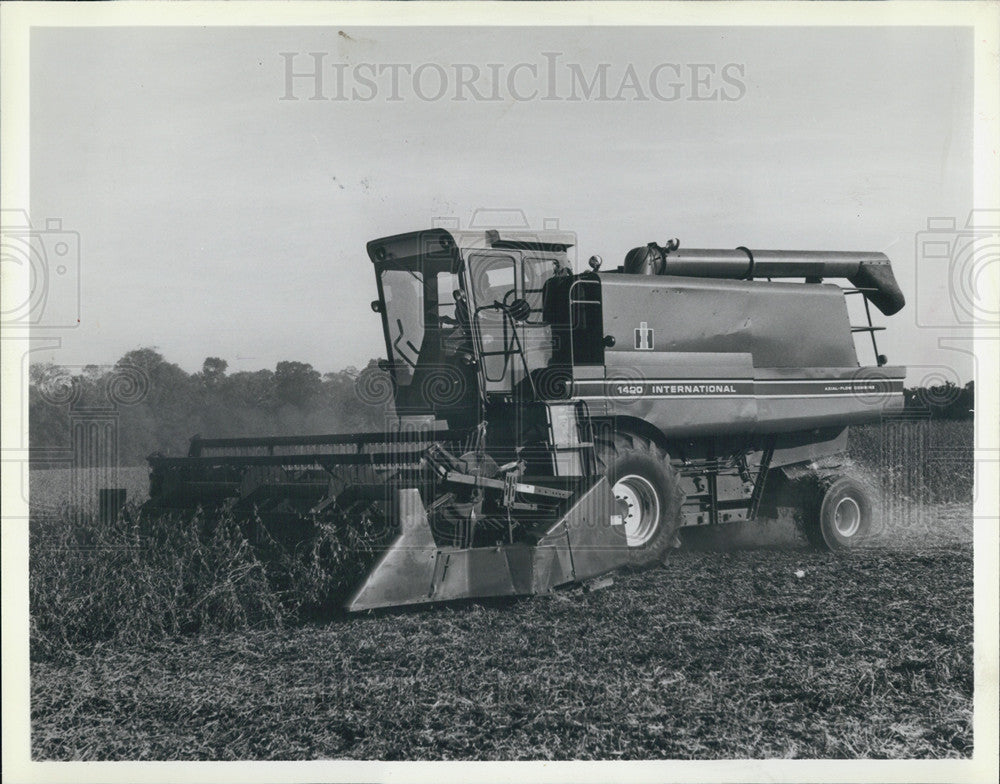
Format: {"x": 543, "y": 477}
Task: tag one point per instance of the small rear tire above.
{"x": 839, "y": 514}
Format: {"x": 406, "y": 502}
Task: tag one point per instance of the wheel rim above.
{"x": 847, "y": 517}
{"x": 642, "y": 503}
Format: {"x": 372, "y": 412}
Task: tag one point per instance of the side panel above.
{"x": 679, "y": 393}
{"x": 825, "y": 397}
{"x": 721, "y": 357}
{"x": 792, "y": 448}
{"x": 691, "y": 404}
{"x": 791, "y": 325}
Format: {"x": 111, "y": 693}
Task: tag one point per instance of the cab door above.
{"x": 509, "y": 350}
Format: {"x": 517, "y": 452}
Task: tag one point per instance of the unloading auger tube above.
{"x": 871, "y": 273}
{"x": 554, "y": 426}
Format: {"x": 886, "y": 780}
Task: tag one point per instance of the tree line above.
{"x": 941, "y": 401}
{"x": 157, "y": 406}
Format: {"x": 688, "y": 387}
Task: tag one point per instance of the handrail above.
{"x": 871, "y": 331}
{"x": 506, "y": 352}
{"x": 571, "y": 303}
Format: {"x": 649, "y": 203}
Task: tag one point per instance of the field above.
{"x": 747, "y": 646}
{"x": 57, "y": 489}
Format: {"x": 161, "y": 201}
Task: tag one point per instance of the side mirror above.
{"x": 376, "y": 306}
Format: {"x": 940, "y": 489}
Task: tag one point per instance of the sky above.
{"x": 217, "y": 219}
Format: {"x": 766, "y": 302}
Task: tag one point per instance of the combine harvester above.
{"x": 551, "y": 427}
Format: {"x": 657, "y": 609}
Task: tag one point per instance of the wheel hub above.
{"x": 641, "y": 508}
{"x": 847, "y": 517}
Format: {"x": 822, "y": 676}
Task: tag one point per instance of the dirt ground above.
{"x": 766, "y": 649}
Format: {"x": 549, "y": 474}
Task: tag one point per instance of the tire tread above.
{"x": 609, "y": 450}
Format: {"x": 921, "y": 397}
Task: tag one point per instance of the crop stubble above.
{"x": 765, "y": 650}
{"x": 715, "y": 655}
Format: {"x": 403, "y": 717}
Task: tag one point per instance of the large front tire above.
{"x": 648, "y": 495}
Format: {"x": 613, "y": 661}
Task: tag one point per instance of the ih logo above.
{"x": 644, "y": 337}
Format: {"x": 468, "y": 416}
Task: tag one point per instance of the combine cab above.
{"x": 554, "y": 426}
